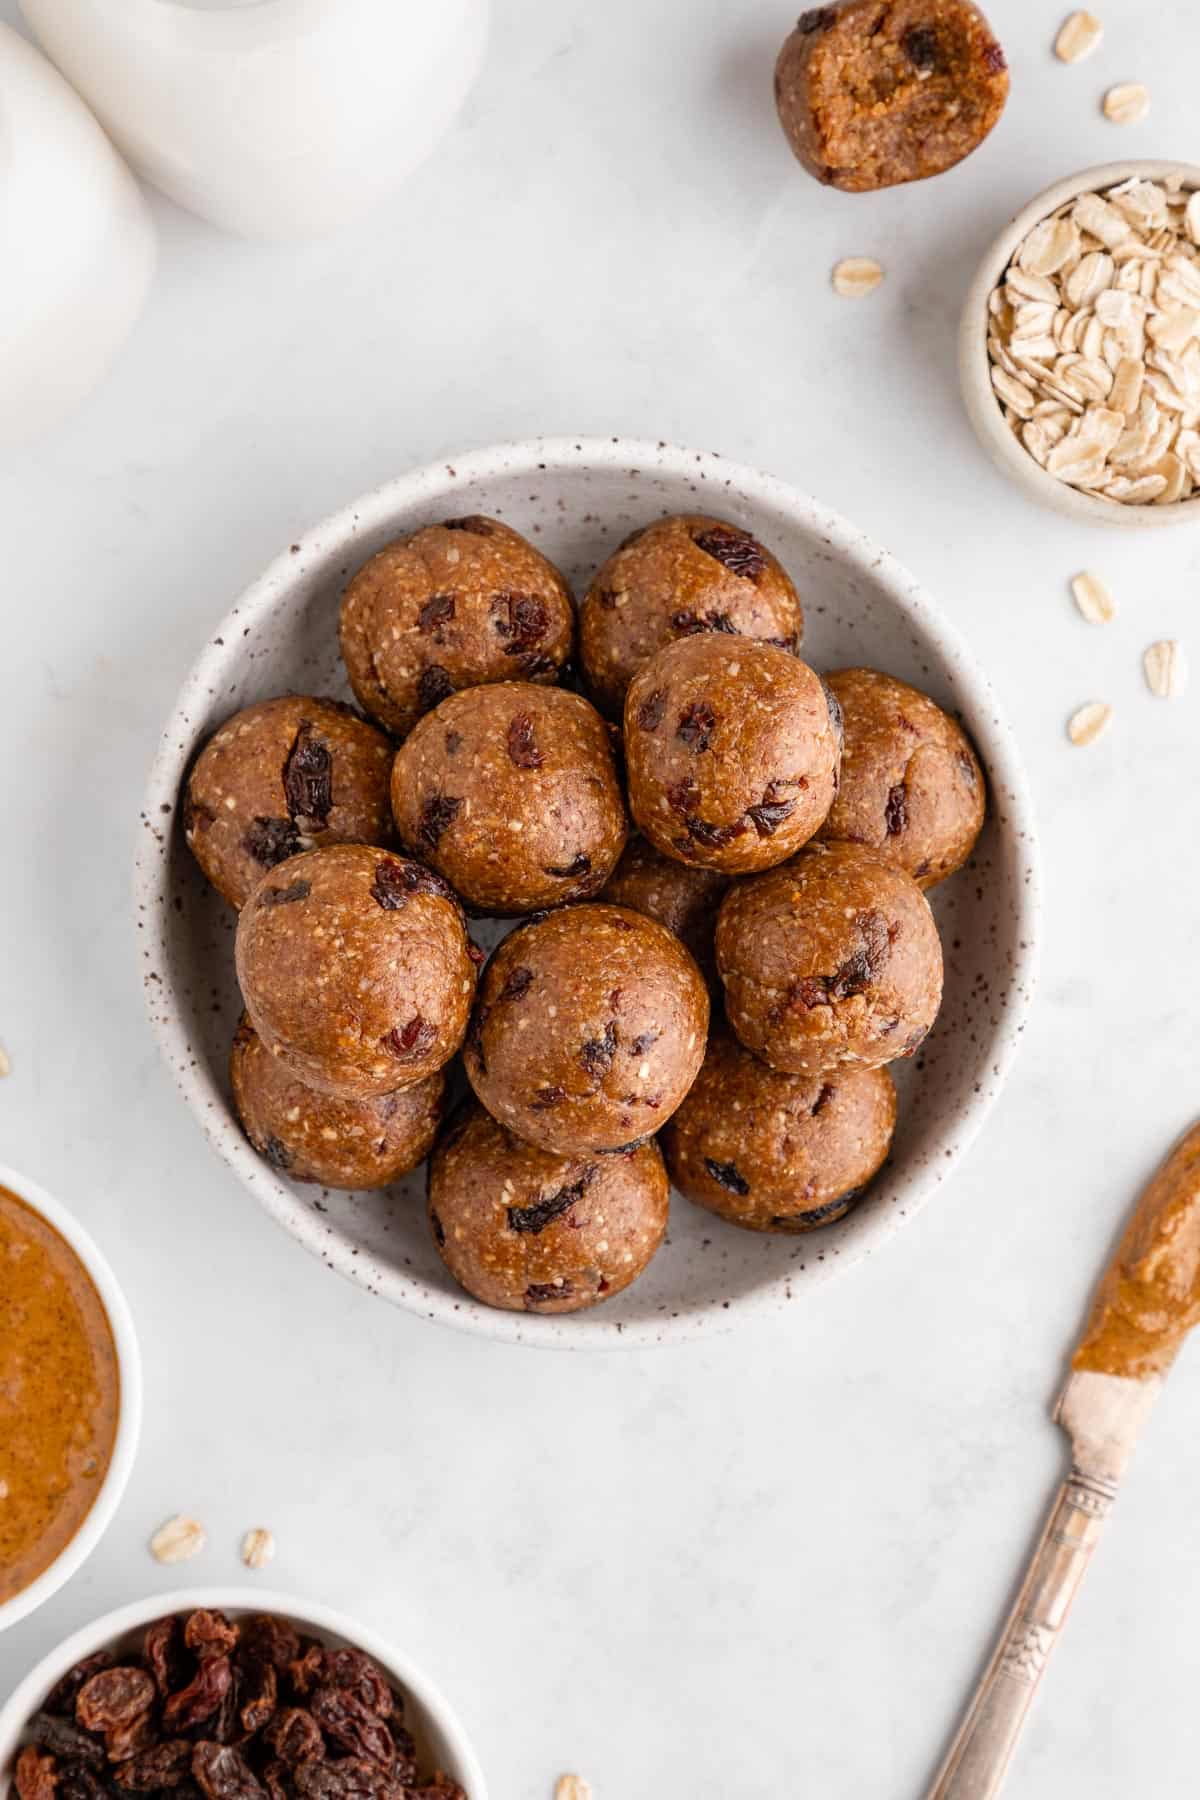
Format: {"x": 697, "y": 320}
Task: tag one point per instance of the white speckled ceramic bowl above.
{"x": 129, "y": 1418}
{"x": 441, "y": 1741}
{"x": 577, "y": 499}
{"x": 974, "y": 367}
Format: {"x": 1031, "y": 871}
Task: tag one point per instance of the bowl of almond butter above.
{"x": 1079, "y": 348}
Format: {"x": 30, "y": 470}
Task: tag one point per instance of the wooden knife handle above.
{"x": 976, "y": 1762}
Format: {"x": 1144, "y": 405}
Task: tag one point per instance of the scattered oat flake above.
{"x": 1078, "y": 36}
{"x": 178, "y": 1540}
{"x": 1093, "y": 599}
{"x": 5, "y": 1064}
{"x": 1166, "y": 669}
{"x": 572, "y": 1787}
{"x": 855, "y": 276}
{"x": 1087, "y": 722}
{"x": 258, "y": 1548}
{"x": 1126, "y": 104}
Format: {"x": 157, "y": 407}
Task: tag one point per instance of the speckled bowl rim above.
{"x": 441, "y": 482}
{"x": 29, "y": 1693}
{"x": 974, "y": 369}
{"x": 129, "y": 1415}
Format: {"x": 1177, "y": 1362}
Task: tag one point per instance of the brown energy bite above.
{"x": 875, "y": 92}
{"x": 831, "y": 961}
{"x": 447, "y": 607}
{"x": 683, "y": 898}
{"x": 511, "y": 792}
{"x": 533, "y": 1231}
{"x": 589, "y": 1029}
{"x": 778, "y": 1152}
{"x": 356, "y": 969}
{"x": 338, "y": 1142}
{"x": 280, "y": 777}
{"x": 680, "y": 576}
{"x": 911, "y": 785}
{"x": 732, "y": 750}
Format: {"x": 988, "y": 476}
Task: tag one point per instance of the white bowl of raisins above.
{"x": 232, "y": 1694}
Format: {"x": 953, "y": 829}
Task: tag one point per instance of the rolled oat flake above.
{"x": 1087, "y": 722}
{"x": 258, "y": 1548}
{"x": 1165, "y": 668}
{"x": 856, "y": 276}
{"x": 1079, "y": 34}
{"x": 178, "y": 1540}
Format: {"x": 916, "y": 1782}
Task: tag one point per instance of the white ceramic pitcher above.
{"x": 275, "y": 118}
{"x": 77, "y": 246}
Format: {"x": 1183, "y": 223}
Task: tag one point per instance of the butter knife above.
{"x": 1147, "y": 1301}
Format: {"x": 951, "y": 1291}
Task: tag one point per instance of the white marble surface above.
{"x": 771, "y": 1562}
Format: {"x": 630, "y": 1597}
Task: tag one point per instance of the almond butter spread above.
{"x": 1150, "y": 1296}
{"x": 59, "y": 1394}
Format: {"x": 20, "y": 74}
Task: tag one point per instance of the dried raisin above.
{"x": 727, "y": 1175}
{"x": 113, "y": 1697}
{"x": 595, "y": 1057}
{"x": 294, "y": 1735}
{"x": 308, "y": 779}
{"x": 736, "y": 550}
{"x": 408, "y": 1042}
{"x": 165, "y": 1765}
{"x": 36, "y": 1775}
{"x": 222, "y": 1773}
{"x": 271, "y": 841}
{"x": 519, "y": 982}
{"x": 433, "y": 687}
{"x": 696, "y": 725}
{"x": 200, "y": 1699}
{"x": 61, "y": 1736}
{"x": 895, "y": 813}
{"x": 650, "y": 712}
{"x": 437, "y": 611}
{"x": 535, "y": 1218}
{"x": 522, "y": 749}
{"x": 352, "y": 1726}
{"x": 438, "y": 812}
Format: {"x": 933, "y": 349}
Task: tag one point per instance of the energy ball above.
{"x": 356, "y": 970}
{"x": 732, "y": 750}
{"x": 511, "y": 792}
{"x": 284, "y": 776}
{"x": 340, "y": 1143}
{"x": 875, "y": 92}
{"x": 683, "y": 898}
{"x": 776, "y": 1152}
{"x": 676, "y": 578}
{"x": 911, "y": 785}
{"x": 533, "y": 1231}
{"x": 831, "y": 962}
{"x": 589, "y": 1030}
{"x": 452, "y": 606}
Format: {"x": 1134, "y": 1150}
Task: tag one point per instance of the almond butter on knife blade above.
{"x": 1147, "y": 1302}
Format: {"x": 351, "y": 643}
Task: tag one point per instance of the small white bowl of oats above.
{"x": 1079, "y": 348}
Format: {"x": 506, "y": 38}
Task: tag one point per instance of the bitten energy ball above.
{"x": 683, "y": 898}
{"x": 589, "y": 1029}
{"x": 911, "y": 784}
{"x": 284, "y": 776}
{"x": 451, "y": 606}
{"x": 732, "y": 751}
{"x": 681, "y": 576}
{"x": 532, "y": 1231}
{"x": 356, "y": 969}
{"x": 876, "y": 92}
{"x": 776, "y": 1152}
{"x": 511, "y": 792}
{"x": 312, "y": 1136}
{"x": 831, "y": 961}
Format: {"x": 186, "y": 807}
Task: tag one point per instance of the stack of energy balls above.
{"x": 715, "y": 995}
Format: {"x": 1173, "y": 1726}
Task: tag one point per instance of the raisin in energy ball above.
{"x": 673, "y": 579}
{"x": 356, "y": 969}
{"x": 589, "y": 1029}
{"x": 448, "y": 607}
{"x": 340, "y": 1143}
{"x": 732, "y": 751}
{"x": 533, "y": 1231}
{"x": 829, "y": 962}
{"x": 683, "y": 898}
{"x": 875, "y": 92}
{"x": 282, "y": 777}
{"x": 776, "y": 1152}
{"x": 911, "y": 784}
{"x": 511, "y": 792}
